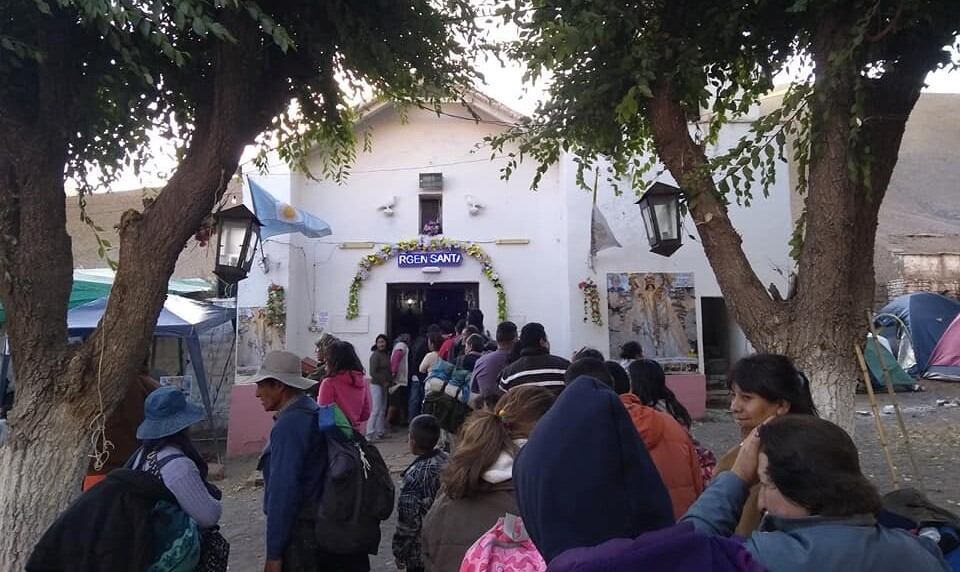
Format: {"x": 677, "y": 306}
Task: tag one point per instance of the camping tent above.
{"x": 879, "y": 358}
{"x": 180, "y": 317}
{"x": 926, "y": 317}
{"x": 945, "y": 360}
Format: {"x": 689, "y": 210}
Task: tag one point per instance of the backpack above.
{"x": 504, "y": 548}
{"x": 450, "y": 411}
{"x": 358, "y": 493}
{"x": 176, "y": 536}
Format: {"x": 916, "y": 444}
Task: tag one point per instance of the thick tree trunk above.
{"x": 819, "y": 323}
{"x": 63, "y": 392}
{"x": 38, "y": 478}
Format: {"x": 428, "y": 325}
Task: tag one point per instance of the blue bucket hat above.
{"x": 167, "y": 412}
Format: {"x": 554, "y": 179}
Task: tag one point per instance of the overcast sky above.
{"x": 501, "y": 83}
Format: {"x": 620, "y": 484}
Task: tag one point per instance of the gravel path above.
{"x": 934, "y": 432}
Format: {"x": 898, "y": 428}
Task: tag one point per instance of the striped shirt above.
{"x": 535, "y": 367}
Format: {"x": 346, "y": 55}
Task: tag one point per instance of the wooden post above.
{"x": 896, "y": 405}
{"x": 881, "y": 432}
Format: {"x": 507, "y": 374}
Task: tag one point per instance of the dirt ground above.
{"x": 934, "y": 433}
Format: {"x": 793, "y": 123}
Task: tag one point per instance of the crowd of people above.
{"x": 587, "y": 464}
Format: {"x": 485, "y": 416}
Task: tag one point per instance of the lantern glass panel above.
{"x": 665, "y": 209}
{"x": 232, "y": 235}
{"x": 649, "y": 224}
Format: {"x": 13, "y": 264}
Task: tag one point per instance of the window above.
{"x": 431, "y": 215}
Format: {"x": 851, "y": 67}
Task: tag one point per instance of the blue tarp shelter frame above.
{"x": 180, "y": 318}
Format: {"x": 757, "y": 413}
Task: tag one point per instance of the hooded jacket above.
{"x": 349, "y": 390}
{"x": 679, "y": 548}
{"x": 672, "y": 451}
{"x": 584, "y": 477}
{"x": 453, "y": 525}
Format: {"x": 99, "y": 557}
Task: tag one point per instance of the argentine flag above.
{"x": 279, "y": 217}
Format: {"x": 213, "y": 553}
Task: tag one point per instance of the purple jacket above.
{"x": 679, "y": 548}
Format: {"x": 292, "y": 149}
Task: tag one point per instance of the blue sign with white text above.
{"x": 419, "y": 259}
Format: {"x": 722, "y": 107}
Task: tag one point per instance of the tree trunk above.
{"x": 819, "y": 323}
{"x": 63, "y": 393}
{"x": 38, "y": 478}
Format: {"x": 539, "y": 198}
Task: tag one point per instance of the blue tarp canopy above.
{"x": 180, "y": 317}
{"x": 926, "y": 316}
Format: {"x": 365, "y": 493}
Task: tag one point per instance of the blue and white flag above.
{"x": 279, "y": 217}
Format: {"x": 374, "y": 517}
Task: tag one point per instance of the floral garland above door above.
{"x": 386, "y": 252}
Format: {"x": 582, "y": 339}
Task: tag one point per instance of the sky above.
{"x": 504, "y": 84}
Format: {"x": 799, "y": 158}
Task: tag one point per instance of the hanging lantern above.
{"x": 660, "y": 209}
{"x": 238, "y": 233}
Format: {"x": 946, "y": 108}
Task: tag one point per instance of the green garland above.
{"x": 276, "y": 309}
{"x": 368, "y": 262}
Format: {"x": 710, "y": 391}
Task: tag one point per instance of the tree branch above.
{"x": 744, "y": 294}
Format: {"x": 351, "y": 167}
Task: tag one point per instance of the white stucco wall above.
{"x": 540, "y": 278}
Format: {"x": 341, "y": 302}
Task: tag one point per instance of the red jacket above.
{"x": 350, "y": 391}
{"x": 672, "y": 450}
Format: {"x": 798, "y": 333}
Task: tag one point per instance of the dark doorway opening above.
{"x": 411, "y": 307}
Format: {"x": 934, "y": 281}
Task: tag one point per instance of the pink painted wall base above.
{"x": 691, "y": 391}
{"x": 249, "y": 424}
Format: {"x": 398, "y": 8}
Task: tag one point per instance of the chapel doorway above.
{"x": 411, "y": 307}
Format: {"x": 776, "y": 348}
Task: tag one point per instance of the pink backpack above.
{"x": 504, "y": 548}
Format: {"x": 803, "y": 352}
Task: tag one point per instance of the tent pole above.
{"x": 881, "y": 432}
{"x": 896, "y": 406}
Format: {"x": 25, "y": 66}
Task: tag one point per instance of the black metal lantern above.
{"x": 238, "y": 232}
{"x": 660, "y": 208}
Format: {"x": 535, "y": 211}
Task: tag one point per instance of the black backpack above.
{"x": 358, "y": 494}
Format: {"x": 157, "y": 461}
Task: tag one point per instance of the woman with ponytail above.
{"x": 477, "y": 483}
{"x": 763, "y": 386}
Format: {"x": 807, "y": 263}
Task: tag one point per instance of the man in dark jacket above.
{"x": 535, "y": 366}
{"x": 293, "y": 463}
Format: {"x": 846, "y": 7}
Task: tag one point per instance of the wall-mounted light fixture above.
{"x": 387, "y": 207}
{"x": 431, "y": 270}
{"x": 473, "y": 205}
{"x": 511, "y": 241}
{"x": 357, "y": 245}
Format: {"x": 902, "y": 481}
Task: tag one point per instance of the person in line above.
{"x": 322, "y": 344}
{"x": 380, "y": 379}
{"x": 629, "y": 353}
{"x": 294, "y": 464}
{"x": 474, "y": 350}
{"x": 762, "y": 386}
{"x": 671, "y": 448}
{"x": 587, "y": 352}
{"x": 399, "y": 400}
{"x": 460, "y": 347}
{"x": 433, "y": 356}
{"x": 167, "y": 452}
{"x": 477, "y": 483}
{"x": 450, "y": 338}
{"x": 621, "y": 379}
{"x": 649, "y": 383}
{"x": 819, "y": 506}
{"x": 584, "y": 477}
{"x": 121, "y": 426}
{"x": 590, "y": 367}
{"x": 486, "y": 372}
{"x": 535, "y": 365}
{"x": 419, "y": 485}
{"x": 418, "y": 352}
{"x": 345, "y": 385}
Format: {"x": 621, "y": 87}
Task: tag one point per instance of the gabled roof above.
{"x": 481, "y": 103}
